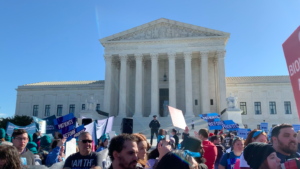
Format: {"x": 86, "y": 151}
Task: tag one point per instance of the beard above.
{"x": 126, "y": 165}
{"x": 287, "y": 148}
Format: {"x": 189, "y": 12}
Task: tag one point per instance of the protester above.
{"x": 161, "y": 134}
{"x": 284, "y": 140}
{"x": 57, "y": 153}
{"x": 9, "y": 157}
{"x": 210, "y": 150}
{"x": 154, "y": 126}
{"x": 220, "y": 149}
{"x": 228, "y": 160}
{"x": 103, "y": 144}
{"x": 85, "y": 158}
{"x": 45, "y": 147}
{"x": 194, "y": 147}
{"x": 32, "y": 146}
{"x": 20, "y": 140}
{"x": 193, "y": 124}
{"x": 37, "y": 138}
{"x": 176, "y": 160}
{"x": 174, "y": 134}
{"x": 228, "y": 140}
{"x": 142, "y": 148}
{"x": 261, "y": 156}
{"x": 123, "y": 152}
{"x": 254, "y": 136}
{"x": 2, "y": 135}
{"x": 185, "y": 134}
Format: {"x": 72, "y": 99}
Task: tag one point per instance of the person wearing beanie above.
{"x": 45, "y": 147}
{"x": 2, "y": 135}
{"x": 261, "y": 156}
{"x": 32, "y": 146}
{"x": 7, "y": 138}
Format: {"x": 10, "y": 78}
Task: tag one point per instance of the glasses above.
{"x": 86, "y": 141}
{"x": 21, "y": 139}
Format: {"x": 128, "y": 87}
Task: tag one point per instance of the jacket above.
{"x": 30, "y": 160}
{"x": 52, "y": 157}
{"x": 220, "y": 152}
{"x": 154, "y": 125}
{"x": 210, "y": 153}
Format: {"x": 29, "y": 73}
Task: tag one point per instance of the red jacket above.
{"x": 210, "y": 154}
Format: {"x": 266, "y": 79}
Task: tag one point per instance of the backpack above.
{"x": 220, "y": 151}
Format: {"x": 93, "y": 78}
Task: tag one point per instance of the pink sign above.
{"x": 177, "y": 118}
{"x": 291, "y": 49}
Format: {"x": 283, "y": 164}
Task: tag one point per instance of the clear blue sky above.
{"x": 57, "y": 40}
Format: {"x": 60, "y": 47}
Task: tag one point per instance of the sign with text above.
{"x": 213, "y": 120}
{"x": 209, "y": 116}
{"x": 264, "y": 126}
{"x": 243, "y": 133}
{"x": 50, "y": 127}
{"x": 296, "y": 127}
{"x": 41, "y": 124}
{"x": 75, "y": 132}
{"x": 177, "y": 118}
{"x": 230, "y": 125}
{"x": 31, "y": 128}
{"x": 291, "y": 49}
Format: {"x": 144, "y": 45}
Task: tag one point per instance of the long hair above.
{"x": 11, "y": 156}
{"x": 161, "y": 132}
{"x": 264, "y": 165}
{"x": 153, "y": 154}
{"x": 140, "y": 138}
{"x": 250, "y": 136}
{"x": 102, "y": 143}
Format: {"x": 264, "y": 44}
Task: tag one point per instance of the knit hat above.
{"x": 45, "y": 141}
{"x": 192, "y": 144}
{"x": 7, "y": 138}
{"x": 2, "y": 133}
{"x": 30, "y": 138}
{"x": 32, "y": 146}
{"x": 256, "y": 153}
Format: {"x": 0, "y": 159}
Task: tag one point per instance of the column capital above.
{"x": 221, "y": 53}
{"x": 154, "y": 56}
{"x": 171, "y": 55}
{"x": 107, "y": 57}
{"x": 123, "y": 57}
{"x": 138, "y": 56}
{"x": 215, "y": 60}
{"x": 204, "y": 54}
{"x": 187, "y": 55}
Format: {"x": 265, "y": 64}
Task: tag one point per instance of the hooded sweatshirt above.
{"x": 52, "y": 157}
{"x": 210, "y": 153}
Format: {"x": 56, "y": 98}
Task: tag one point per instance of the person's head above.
{"x": 256, "y": 136}
{"x": 9, "y": 157}
{"x": 154, "y": 117}
{"x": 283, "y": 138}
{"x": 172, "y": 160}
{"x": 35, "y": 136}
{"x": 215, "y": 139}
{"x": 2, "y": 133}
{"x": 20, "y": 139}
{"x": 123, "y": 151}
{"x": 85, "y": 143}
{"x": 194, "y": 144}
{"x": 174, "y": 132}
{"x": 45, "y": 142}
{"x": 161, "y": 132}
{"x": 238, "y": 144}
{"x": 298, "y": 136}
{"x": 142, "y": 146}
{"x": 261, "y": 156}
{"x": 54, "y": 145}
{"x": 203, "y": 134}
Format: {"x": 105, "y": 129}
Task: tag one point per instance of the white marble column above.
{"x": 138, "y": 86}
{"x": 204, "y": 82}
{"x": 222, "y": 80}
{"x": 172, "y": 79}
{"x": 107, "y": 85}
{"x": 154, "y": 84}
{"x": 188, "y": 84}
{"x": 123, "y": 86}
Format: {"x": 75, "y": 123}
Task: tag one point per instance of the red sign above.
{"x": 291, "y": 49}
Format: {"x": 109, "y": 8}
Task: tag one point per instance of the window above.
{"x": 196, "y": 102}
{"x": 211, "y": 102}
{"x": 83, "y": 107}
{"x": 72, "y": 108}
{"x": 272, "y": 106}
{"x": 257, "y": 107}
{"x": 243, "y": 107}
{"x": 47, "y": 110}
{"x": 98, "y": 107}
{"x": 245, "y": 126}
{"x": 287, "y": 108}
{"x": 35, "y": 110}
{"x": 59, "y": 110}
{"x": 258, "y": 126}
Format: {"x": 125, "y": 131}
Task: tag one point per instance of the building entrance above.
{"x": 163, "y": 102}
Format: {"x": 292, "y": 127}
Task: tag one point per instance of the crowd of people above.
{"x": 205, "y": 150}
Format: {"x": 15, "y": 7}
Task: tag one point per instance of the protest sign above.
{"x": 41, "y": 124}
{"x": 230, "y": 125}
{"x": 31, "y": 128}
{"x": 291, "y": 49}
{"x": 296, "y": 127}
{"x": 209, "y": 116}
{"x": 243, "y": 133}
{"x": 213, "y": 120}
{"x": 75, "y": 132}
{"x": 50, "y": 128}
{"x": 264, "y": 126}
{"x": 64, "y": 121}
{"x": 70, "y": 147}
{"x": 177, "y": 118}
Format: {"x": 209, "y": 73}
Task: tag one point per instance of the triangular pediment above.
{"x": 163, "y": 29}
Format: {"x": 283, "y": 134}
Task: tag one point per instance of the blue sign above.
{"x": 50, "y": 127}
{"x": 243, "y": 133}
{"x": 213, "y": 119}
{"x": 63, "y": 119}
{"x": 264, "y": 126}
{"x": 31, "y": 128}
{"x": 230, "y": 125}
{"x": 296, "y": 127}
{"x": 209, "y": 116}
{"x": 75, "y": 132}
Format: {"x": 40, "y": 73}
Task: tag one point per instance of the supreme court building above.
{"x": 164, "y": 62}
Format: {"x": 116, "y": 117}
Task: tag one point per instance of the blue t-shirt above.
{"x": 230, "y": 161}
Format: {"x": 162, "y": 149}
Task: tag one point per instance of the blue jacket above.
{"x": 100, "y": 149}
{"x": 52, "y": 157}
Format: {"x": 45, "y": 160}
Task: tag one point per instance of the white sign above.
{"x": 177, "y": 118}
{"x": 70, "y": 147}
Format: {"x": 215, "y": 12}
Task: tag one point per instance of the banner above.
{"x": 63, "y": 119}
{"x": 50, "y": 128}
{"x": 31, "y": 128}
{"x": 41, "y": 124}
{"x": 75, "y": 132}
{"x": 209, "y": 116}
{"x": 264, "y": 126}
{"x": 291, "y": 49}
{"x": 230, "y": 125}
{"x": 70, "y": 147}
{"x": 177, "y": 118}
{"x": 296, "y": 127}
{"x": 215, "y": 123}
{"x": 243, "y": 133}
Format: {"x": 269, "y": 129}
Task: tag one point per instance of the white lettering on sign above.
{"x": 294, "y": 67}
{"x": 65, "y": 124}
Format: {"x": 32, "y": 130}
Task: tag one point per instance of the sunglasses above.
{"x": 86, "y": 141}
